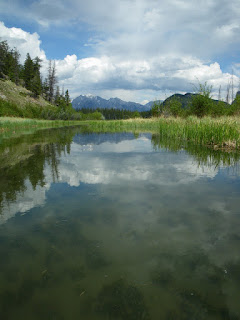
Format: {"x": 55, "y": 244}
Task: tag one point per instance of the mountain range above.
{"x": 185, "y": 99}
{"x": 95, "y": 102}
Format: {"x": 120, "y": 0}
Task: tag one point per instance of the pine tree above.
{"x": 67, "y": 98}
{"x": 4, "y": 49}
{"x": 28, "y": 72}
{"x": 15, "y": 66}
{"x": 29, "y": 75}
{"x": 36, "y": 83}
{"x": 9, "y": 62}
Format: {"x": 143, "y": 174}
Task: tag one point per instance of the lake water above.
{"x": 117, "y": 226}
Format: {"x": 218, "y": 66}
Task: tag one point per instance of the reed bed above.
{"x": 222, "y": 132}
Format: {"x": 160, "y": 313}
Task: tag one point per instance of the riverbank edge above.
{"x": 218, "y": 133}
{"x": 11, "y": 126}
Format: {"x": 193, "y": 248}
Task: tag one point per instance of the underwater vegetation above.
{"x": 120, "y": 300}
{"x": 197, "y": 286}
{"x": 94, "y": 256}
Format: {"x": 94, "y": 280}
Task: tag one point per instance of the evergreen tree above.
{"x": 9, "y": 62}
{"x": 67, "y": 98}
{"x": 12, "y": 65}
{"x": 16, "y": 65}
{"x": 4, "y": 49}
{"x": 28, "y": 72}
{"x": 36, "y": 83}
{"x": 30, "y": 75}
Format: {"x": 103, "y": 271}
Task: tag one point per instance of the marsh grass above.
{"x": 10, "y": 127}
{"x": 222, "y": 132}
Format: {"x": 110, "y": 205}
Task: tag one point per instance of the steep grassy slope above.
{"x": 18, "y": 95}
{"x": 16, "y": 101}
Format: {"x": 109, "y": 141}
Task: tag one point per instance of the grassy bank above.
{"x": 18, "y": 102}
{"x": 222, "y": 132}
{"x": 10, "y": 127}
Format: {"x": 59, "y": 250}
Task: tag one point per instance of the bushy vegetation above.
{"x": 200, "y": 104}
{"x": 117, "y": 114}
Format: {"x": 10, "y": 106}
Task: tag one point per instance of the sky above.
{"x": 136, "y": 50}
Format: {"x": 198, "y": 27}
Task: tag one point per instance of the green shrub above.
{"x": 136, "y": 114}
{"x": 157, "y": 109}
{"x": 202, "y": 103}
{"x": 218, "y": 109}
{"x": 174, "y": 107}
{"x": 93, "y": 116}
{"x": 235, "y": 107}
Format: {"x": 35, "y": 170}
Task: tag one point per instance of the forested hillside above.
{"x": 24, "y": 93}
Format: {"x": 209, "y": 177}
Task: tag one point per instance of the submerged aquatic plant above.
{"x": 120, "y": 300}
{"x": 94, "y": 257}
{"x": 196, "y": 284}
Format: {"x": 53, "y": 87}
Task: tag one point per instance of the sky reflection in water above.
{"x": 107, "y": 226}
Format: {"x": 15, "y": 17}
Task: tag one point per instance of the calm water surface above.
{"x": 117, "y": 226}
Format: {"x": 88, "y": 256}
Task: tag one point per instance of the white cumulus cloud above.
{"x": 24, "y": 41}
{"x": 138, "y": 50}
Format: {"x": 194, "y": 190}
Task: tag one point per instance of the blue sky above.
{"x": 136, "y": 50}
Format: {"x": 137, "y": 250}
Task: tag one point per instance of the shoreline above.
{"x": 217, "y": 133}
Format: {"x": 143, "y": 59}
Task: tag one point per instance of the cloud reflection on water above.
{"x": 128, "y": 162}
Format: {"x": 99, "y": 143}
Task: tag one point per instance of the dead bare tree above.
{"x": 51, "y": 80}
{"x": 228, "y": 92}
{"x": 232, "y": 87}
{"x": 219, "y": 93}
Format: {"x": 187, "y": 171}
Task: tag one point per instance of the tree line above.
{"x": 117, "y": 114}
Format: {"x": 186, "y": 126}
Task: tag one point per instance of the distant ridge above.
{"x": 95, "y": 102}
{"x": 185, "y": 99}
